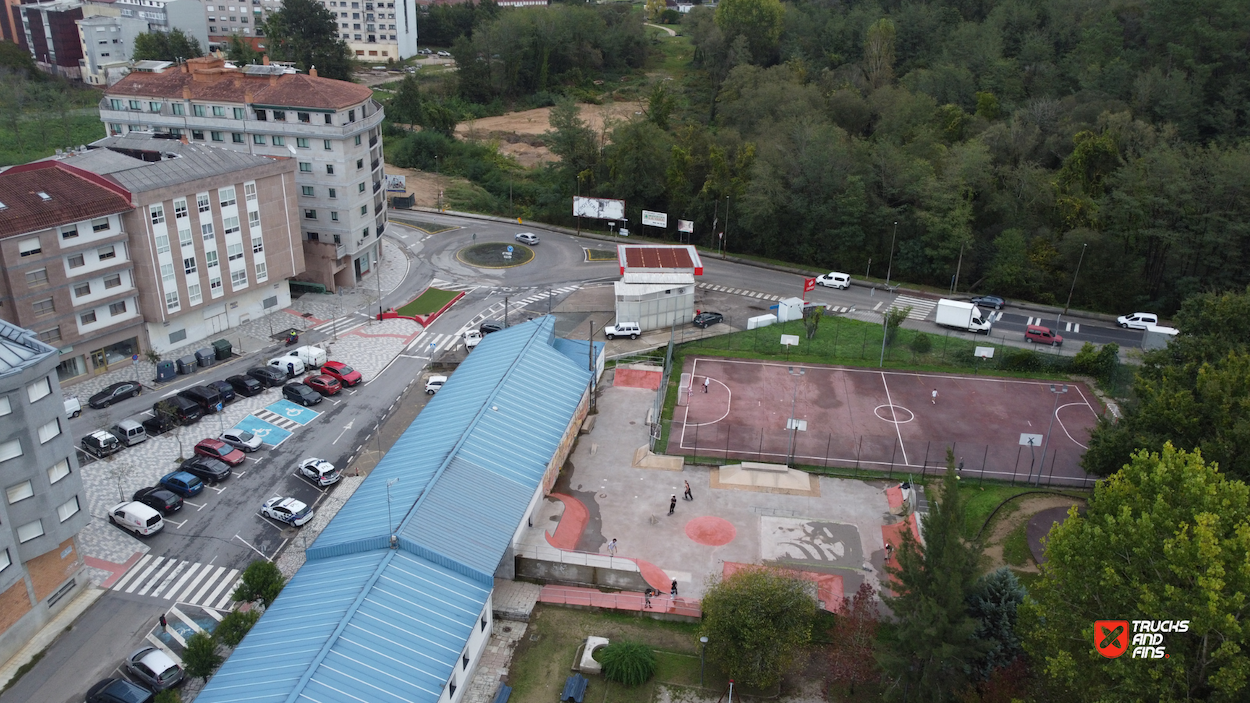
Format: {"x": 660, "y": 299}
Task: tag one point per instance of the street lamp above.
{"x": 890, "y": 269}
{"x": 1058, "y": 391}
{"x": 793, "y": 424}
{"x": 702, "y": 650}
{"x": 1073, "y": 288}
{"x": 390, "y": 482}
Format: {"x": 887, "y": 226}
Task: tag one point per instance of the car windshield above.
{"x": 345, "y": 370}
{"x": 245, "y": 436}
{"x": 168, "y": 675}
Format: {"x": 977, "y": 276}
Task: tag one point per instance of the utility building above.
{"x": 656, "y": 289}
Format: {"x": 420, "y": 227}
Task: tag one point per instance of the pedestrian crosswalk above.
{"x": 425, "y": 339}
{"x": 739, "y": 291}
{"x": 273, "y": 418}
{"x": 1068, "y": 326}
{"x": 448, "y": 285}
{"x": 180, "y": 581}
{"x": 343, "y": 325}
{"x": 542, "y": 295}
{"x": 920, "y": 307}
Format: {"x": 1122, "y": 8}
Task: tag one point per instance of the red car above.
{"x": 1042, "y": 335}
{"x": 341, "y": 372}
{"x": 217, "y": 449}
{"x": 323, "y": 384}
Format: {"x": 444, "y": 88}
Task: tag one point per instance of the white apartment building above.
{"x": 377, "y": 31}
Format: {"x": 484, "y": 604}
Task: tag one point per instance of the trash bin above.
{"x": 223, "y": 349}
{"x": 165, "y": 371}
{"x": 205, "y": 356}
{"x": 186, "y": 365}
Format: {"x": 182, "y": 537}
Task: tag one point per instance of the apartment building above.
{"x": 330, "y": 128}
{"x": 51, "y": 36}
{"x": 214, "y": 232}
{"x": 377, "y": 31}
{"x": 239, "y": 18}
{"x": 67, "y": 269}
{"x": 167, "y": 15}
{"x": 107, "y": 44}
{"x": 44, "y": 506}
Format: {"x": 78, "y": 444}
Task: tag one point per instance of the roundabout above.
{"x": 494, "y": 255}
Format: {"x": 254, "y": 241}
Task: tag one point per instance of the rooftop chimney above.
{"x": 313, "y": 71}
{"x": 265, "y": 59}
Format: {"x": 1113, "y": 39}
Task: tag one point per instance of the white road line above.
{"x": 134, "y": 571}
{"x": 169, "y": 578}
{"x": 227, "y": 581}
{"x": 225, "y": 600}
{"x": 207, "y": 585}
{"x": 185, "y": 575}
{"x": 894, "y": 415}
{"x": 142, "y": 577}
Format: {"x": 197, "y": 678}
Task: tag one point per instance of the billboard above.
{"x": 599, "y": 208}
{"x": 686, "y": 226}
{"x": 654, "y": 219}
{"x": 396, "y": 183}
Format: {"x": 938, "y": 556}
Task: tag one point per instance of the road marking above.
{"x": 198, "y": 506}
{"x": 224, "y": 582}
{"x": 155, "y": 562}
{"x": 134, "y": 571}
{"x": 254, "y": 549}
{"x": 211, "y": 580}
{"x": 186, "y": 575}
{"x": 177, "y": 525}
{"x": 167, "y": 579}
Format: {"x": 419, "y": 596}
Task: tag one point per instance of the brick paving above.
{"x": 496, "y": 660}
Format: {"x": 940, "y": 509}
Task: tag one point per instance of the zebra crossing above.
{"x": 343, "y": 325}
{"x": 1069, "y": 326}
{"x": 542, "y": 295}
{"x": 739, "y": 291}
{"x": 920, "y": 307}
{"x": 273, "y": 418}
{"x": 425, "y": 339}
{"x": 448, "y": 285}
{"x": 180, "y": 581}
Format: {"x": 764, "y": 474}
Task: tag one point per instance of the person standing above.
{"x": 706, "y": 382}
{"x": 290, "y": 369}
{"x": 164, "y": 623}
{"x": 889, "y": 549}
{"x": 673, "y": 590}
{"x": 672, "y": 504}
{"x": 935, "y": 396}
{"x": 612, "y": 547}
{"x": 646, "y": 598}
{"x": 688, "y": 495}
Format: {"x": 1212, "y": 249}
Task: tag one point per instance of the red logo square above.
{"x": 1111, "y": 637}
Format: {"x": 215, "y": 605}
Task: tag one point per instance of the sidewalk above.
{"x": 45, "y": 636}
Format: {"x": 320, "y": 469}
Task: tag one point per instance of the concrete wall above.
{"x": 656, "y": 310}
{"x": 578, "y": 574}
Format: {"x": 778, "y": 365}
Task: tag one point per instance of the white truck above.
{"x": 962, "y": 316}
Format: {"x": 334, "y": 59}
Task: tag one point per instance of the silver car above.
{"x": 154, "y": 669}
{"x": 241, "y": 439}
{"x": 527, "y": 238}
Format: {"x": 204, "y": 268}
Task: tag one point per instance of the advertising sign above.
{"x": 654, "y": 219}
{"x": 809, "y": 285}
{"x": 686, "y": 226}
{"x": 599, "y": 208}
{"x": 396, "y": 183}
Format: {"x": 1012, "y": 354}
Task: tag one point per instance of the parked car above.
{"x": 246, "y": 386}
{"x": 834, "y": 279}
{"x": 136, "y": 517}
{"x": 341, "y": 372}
{"x": 300, "y": 393}
{"x": 154, "y": 668}
{"x": 206, "y": 469}
{"x": 287, "y": 510}
{"x": 159, "y": 499}
{"x": 488, "y": 327}
{"x": 527, "y": 238}
{"x": 707, "y": 319}
{"x": 444, "y": 54}
{"x": 313, "y": 357}
{"x": 129, "y": 432}
{"x": 323, "y": 384}
{"x": 159, "y": 424}
{"x": 225, "y": 389}
{"x": 291, "y": 365}
{"x": 114, "y": 393}
{"x": 101, "y": 444}
{"x": 1138, "y": 320}
{"x": 241, "y": 439}
{"x": 270, "y": 376}
{"x": 1042, "y": 335}
{"x": 623, "y": 329}
{"x": 178, "y": 409}
{"x": 434, "y": 383}
{"x": 73, "y": 408}
{"x": 320, "y": 472}
{"x": 119, "y": 691}
{"x": 988, "y": 301}
{"x": 219, "y": 450}
{"x": 472, "y": 338}
{"x": 182, "y": 483}
{"x": 204, "y": 396}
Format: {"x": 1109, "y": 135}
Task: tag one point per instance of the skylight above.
{"x": 44, "y": 196}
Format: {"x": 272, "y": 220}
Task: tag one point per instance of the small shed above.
{"x": 657, "y": 284}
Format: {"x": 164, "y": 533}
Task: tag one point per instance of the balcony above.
{"x": 373, "y": 141}
{"x": 316, "y": 129}
{"x": 374, "y": 165}
{"x": 377, "y": 185}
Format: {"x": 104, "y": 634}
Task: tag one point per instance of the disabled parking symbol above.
{"x": 269, "y": 434}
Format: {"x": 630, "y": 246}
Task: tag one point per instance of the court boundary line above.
{"x": 962, "y": 377}
{"x": 894, "y": 414}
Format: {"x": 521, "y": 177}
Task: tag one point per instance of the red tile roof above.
{"x": 208, "y": 82}
{"x": 74, "y": 195}
{"x": 657, "y": 257}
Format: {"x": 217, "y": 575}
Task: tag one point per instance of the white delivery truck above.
{"x": 961, "y": 316}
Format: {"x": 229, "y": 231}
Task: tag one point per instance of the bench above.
{"x": 574, "y": 688}
{"x": 505, "y": 691}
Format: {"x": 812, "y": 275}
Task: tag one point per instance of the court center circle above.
{"x": 890, "y": 412}
{"x": 711, "y": 531}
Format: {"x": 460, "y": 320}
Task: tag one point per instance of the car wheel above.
{"x": 75, "y": 414}
{"x": 1028, "y": 341}
{"x": 135, "y": 394}
{"x": 429, "y": 392}
{"x": 611, "y": 336}
{"x": 633, "y": 336}
{"x": 111, "y": 520}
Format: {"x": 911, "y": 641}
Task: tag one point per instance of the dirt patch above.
{"x": 520, "y": 133}
{"x": 1012, "y": 516}
{"x": 426, "y": 186}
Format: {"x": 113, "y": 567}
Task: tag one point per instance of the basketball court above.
{"x": 999, "y": 428}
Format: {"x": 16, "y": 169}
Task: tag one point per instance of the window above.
{"x": 238, "y": 279}
{"x": 258, "y": 245}
{"x": 10, "y": 449}
{"x": 210, "y": 259}
{"x": 231, "y": 224}
{"x": 50, "y": 336}
{"x": 197, "y": 134}
{"x": 29, "y": 247}
{"x": 278, "y": 141}
{"x": 364, "y": 209}
{"x": 360, "y": 163}
{"x": 360, "y": 188}
{"x": 202, "y": 203}
{"x": 334, "y": 192}
{"x": 365, "y": 233}
{"x": 193, "y": 298}
{"x": 69, "y": 232}
{"x": 357, "y": 140}
{"x": 134, "y": 104}
{"x": 258, "y": 139}
{"x": 58, "y": 471}
{"x": 118, "y": 308}
{"x": 305, "y": 167}
{"x": 179, "y": 109}
{"x": 113, "y": 280}
{"x": 218, "y": 136}
{"x": 67, "y": 509}
{"x": 262, "y": 272}
{"x": 302, "y": 117}
{"x": 99, "y": 225}
{"x": 82, "y": 290}
{"x": 234, "y": 252}
{"x": 253, "y": 220}
{"x": 180, "y": 208}
{"x": 184, "y": 237}
{"x": 87, "y": 318}
{"x": 236, "y": 137}
{"x": 306, "y": 190}
{"x": 329, "y": 119}
{"x": 30, "y": 531}
{"x": 249, "y": 192}
{"x": 351, "y": 116}
{"x": 327, "y": 143}
{"x": 260, "y": 115}
{"x": 226, "y": 196}
{"x": 171, "y": 300}
{"x": 167, "y": 273}
{"x": 197, "y": 110}
{"x": 238, "y": 113}
{"x": 21, "y": 491}
{"x": 330, "y": 169}
{"x": 301, "y": 142}
{"x": 76, "y": 261}
{"x": 5, "y": 560}
{"x": 310, "y": 214}
{"x": 43, "y": 307}
{"x": 38, "y": 277}
{"x": 5, "y": 406}
{"x": 214, "y": 283}
{"x": 188, "y": 265}
{"x": 49, "y": 431}
{"x": 219, "y": 111}
{"x": 279, "y": 115}
{"x": 334, "y": 216}
{"x": 158, "y": 214}
{"x": 206, "y": 231}
{"x": 115, "y": 104}
{"x": 106, "y": 253}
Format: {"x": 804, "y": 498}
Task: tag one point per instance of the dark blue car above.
{"x": 182, "y": 483}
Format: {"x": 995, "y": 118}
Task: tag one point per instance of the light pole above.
{"x": 885, "y": 333}
{"x": 890, "y": 269}
{"x": 1073, "y": 288}
{"x": 389, "y": 529}
{"x": 793, "y": 424}
{"x": 725, "y": 233}
{"x": 1058, "y": 391}
{"x": 378, "y": 273}
{"x": 702, "y": 650}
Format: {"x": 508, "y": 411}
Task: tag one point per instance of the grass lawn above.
{"x": 427, "y": 227}
{"x": 41, "y": 136}
{"x": 600, "y": 255}
{"x": 1016, "y": 546}
{"x": 431, "y": 301}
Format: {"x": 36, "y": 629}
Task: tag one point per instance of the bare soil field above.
{"x": 520, "y": 133}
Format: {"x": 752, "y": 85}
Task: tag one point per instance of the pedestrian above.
{"x": 672, "y": 504}
{"x": 935, "y": 396}
{"x": 673, "y": 589}
{"x": 290, "y": 369}
{"x": 706, "y": 382}
{"x": 164, "y": 623}
{"x": 687, "y": 495}
{"x": 646, "y": 598}
{"x": 612, "y": 547}
{"x": 889, "y": 549}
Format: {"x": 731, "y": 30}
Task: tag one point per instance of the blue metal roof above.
{"x": 361, "y": 621}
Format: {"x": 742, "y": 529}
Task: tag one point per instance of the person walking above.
{"x": 688, "y": 495}
{"x": 672, "y": 504}
{"x": 646, "y": 598}
{"x": 935, "y": 396}
{"x": 706, "y": 382}
{"x": 290, "y": 369}
{"x": 673, "y": 589}
{"x": 164, "y": 623}
{"x": 612, "y": 547}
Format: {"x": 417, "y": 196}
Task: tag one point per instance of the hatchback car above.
{"x": 472, "y": 338}
{"x": 300, "y": 393}
{"x": 206, "y": 469}
{"x": 158, "y": 425}
{"x": 1136, "y": 321}
{"x": 488, "y": 327}
{"x": 988, "y": 301}
{"x": 527, "y": 238}
{"x": 434, "y": 383}
{"x": 241, "y": 439}
{"x": 154, "y": 668}
{"x": 707, "y": 319}
{"x": 246, "y": 386}
{"x": 119, "y": 691}
{"x": 834, "y": 279}
{"x": 320, "y": 472}
{"x": 345, "y": 374}
{"x": 182, "y": 483}
{"x": 323, "y": 384}
{"x": 114, "y": 393}
{"x": 268, "y": 375}
{"x": 287, "y": 510}
{"x": 225, "y": 389}
{"x": 1042, "y": 335}
{"x": 159, "y": 499}
{"x": 219, "y": 450}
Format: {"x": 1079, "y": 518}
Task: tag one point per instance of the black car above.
{"x": 989, "y": 301}
{"x": 246, "y": 385}
{"x": 206, "y": 469}
{"x": 300, "y": 393}
{"x": 158, "y": 425}
{"x": 160, "y": 499}
{"x": 268, "y": 375}
{"x": 488, "y": 327}
{"x": 225, "y": 389}
{"x": 119, "y": 691}
{"x": 114, "y": 393}
{"x": 707, "y": 319}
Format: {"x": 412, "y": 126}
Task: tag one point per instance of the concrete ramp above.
{"x": 644, "y": 458}
{"x": 638, "y": 376}
{"x": 775, "y": 478}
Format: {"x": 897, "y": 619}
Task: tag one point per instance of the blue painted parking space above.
{"x": 269, "y": 434}
{"x": 290, "y": 411}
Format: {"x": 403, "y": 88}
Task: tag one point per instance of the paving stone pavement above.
{"x": 493, "y": 667}
{"x": 362, "y": 296}
{"x": 514, "y": 600}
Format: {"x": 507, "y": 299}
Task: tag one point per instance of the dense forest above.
{"x": 1013, "y": 139}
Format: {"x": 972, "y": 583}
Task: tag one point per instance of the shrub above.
{"x": 201, "y": 659}
{"x": 627, "y": 663}
{"x": 1021, "y": 360}
{"x": 169, "y": 695}
{"x": 261, "y": 581}
{"x": 232, "y": 628}
{"x": 1099, "y": 363}
{"x": 921, "y": 344}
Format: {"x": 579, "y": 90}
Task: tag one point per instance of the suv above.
{"x": 225, "y": 389}
{"x": 268, "y": 375}
{"x": 246, "y": 385}
{"x": 300, "y": 393}
{"x": 706, "y": 319}
{"x": 488, "y": 327}
{"x": 159, "y": 424}
{"x": 178, "y": 409}
{"x": 1138, "y": 320}
{"x": 623, "y": 329}
{"x": 119, "y": 691}
{"x": 834, "y": 279}
{"x": 988, "y": 301}
{"x": 205, "y": 396}
{"x": 101, "y": 444}
{"x": 345, "y": 374}
{"x": 1042, "y": 335}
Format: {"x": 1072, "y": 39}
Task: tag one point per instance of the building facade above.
{"x": 44, "y": 506}
{"x": 377, "y": 31}
{"x": 330, "y": 128}
{"x": 51, "y": 35}
{"x": 68, "y": 273}
{"x": 108, "y": 40}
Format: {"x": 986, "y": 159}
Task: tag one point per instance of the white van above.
{"x": 1138, "y": 320}
{"x": 129, "y": 432}
{"x": 137, "y": 517}
{"x": 313, "y": 357}
{"x": 289, "y": 365}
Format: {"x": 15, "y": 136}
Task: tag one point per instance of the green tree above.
{"x": 201, "y": 658}
{"x": 853, "y": 639}
{"x": 18, "y": 60}
{"x": 261, "y": 581}
{"x": 169, "y": 695}
{"x": 627, "y": 663}
{"x": 930, "y": 652}
{"x": 759, "y": 21}
{"x": 660, "y": 106}
{"x": 572, "y": 139}
{"x": 756, "y": 621}
{"x": 879, "y": 52}
{"x": 1165, "y": 538}
{"x": 174, "y": 45}
{"x": 406, "y": 106}
{"x": 240, "y": 51}
{"x": 235, "y": 626}
{"x": 305, "y": 32}
{"x": 994, "y": 602}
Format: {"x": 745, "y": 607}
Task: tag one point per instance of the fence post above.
{"x": 696, "y": 433}
{"x": 925, "y": 466}
{"x": 728, "y": 433}
{"x": 760, "y": 454}
{"x": 828, "y": 444}
{"x": 890, "y": 474}
{"x": 984, "y": 459}
{"x": 1017, "y": 465}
